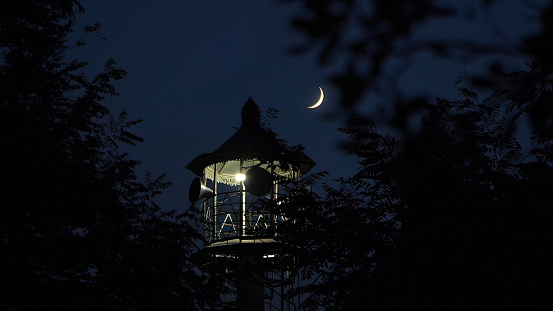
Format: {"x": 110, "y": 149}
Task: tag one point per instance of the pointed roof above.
{"x": 251, "y": 141}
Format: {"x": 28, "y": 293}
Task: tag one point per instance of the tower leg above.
{"x": 250, "y": 282}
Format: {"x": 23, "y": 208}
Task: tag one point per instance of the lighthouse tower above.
{"x": 240, "y": 186}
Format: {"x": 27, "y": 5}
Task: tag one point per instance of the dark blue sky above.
{"x": 192, "y": 65}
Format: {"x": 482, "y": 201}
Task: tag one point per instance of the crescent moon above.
{"x": 320, "y": 101}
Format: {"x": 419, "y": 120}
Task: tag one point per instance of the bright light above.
{"x": 240, "y": 177}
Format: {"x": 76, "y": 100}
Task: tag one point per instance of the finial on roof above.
{"x": 251, "y": 116}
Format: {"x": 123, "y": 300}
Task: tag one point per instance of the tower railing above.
{"x": 236, "y": 214}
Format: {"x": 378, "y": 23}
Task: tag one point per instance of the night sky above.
{"x": 193, "y": 64}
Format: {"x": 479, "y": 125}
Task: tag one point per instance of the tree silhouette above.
{"x": 447, "y": 215}
{"x": 78, "y": 229}
{"x": 451, "y": 218}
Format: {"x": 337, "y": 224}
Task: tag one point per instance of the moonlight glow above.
{"x": 320, "y": 101}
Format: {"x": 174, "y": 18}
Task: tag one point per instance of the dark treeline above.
{"x": 78, "y": 229}
{"x": 451, "y": 214}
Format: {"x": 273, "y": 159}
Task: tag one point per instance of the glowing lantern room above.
{"x": 238, "y": 182}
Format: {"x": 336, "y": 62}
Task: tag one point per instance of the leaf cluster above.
{"x": 447, "y": 216}
{"x": 438, "y": 211}
{"x": 79, "y": 229}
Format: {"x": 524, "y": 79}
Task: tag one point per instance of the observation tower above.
{"x": 239, "y": 187}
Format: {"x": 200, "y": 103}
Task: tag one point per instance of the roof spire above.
{"x": 251, "y": 116}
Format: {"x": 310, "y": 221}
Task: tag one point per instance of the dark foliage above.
{"x": 78, "y": 229}
{"x": 451, "y": 218}
{"x": 475, "y": 234}
{"x": 449, "y": 215}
